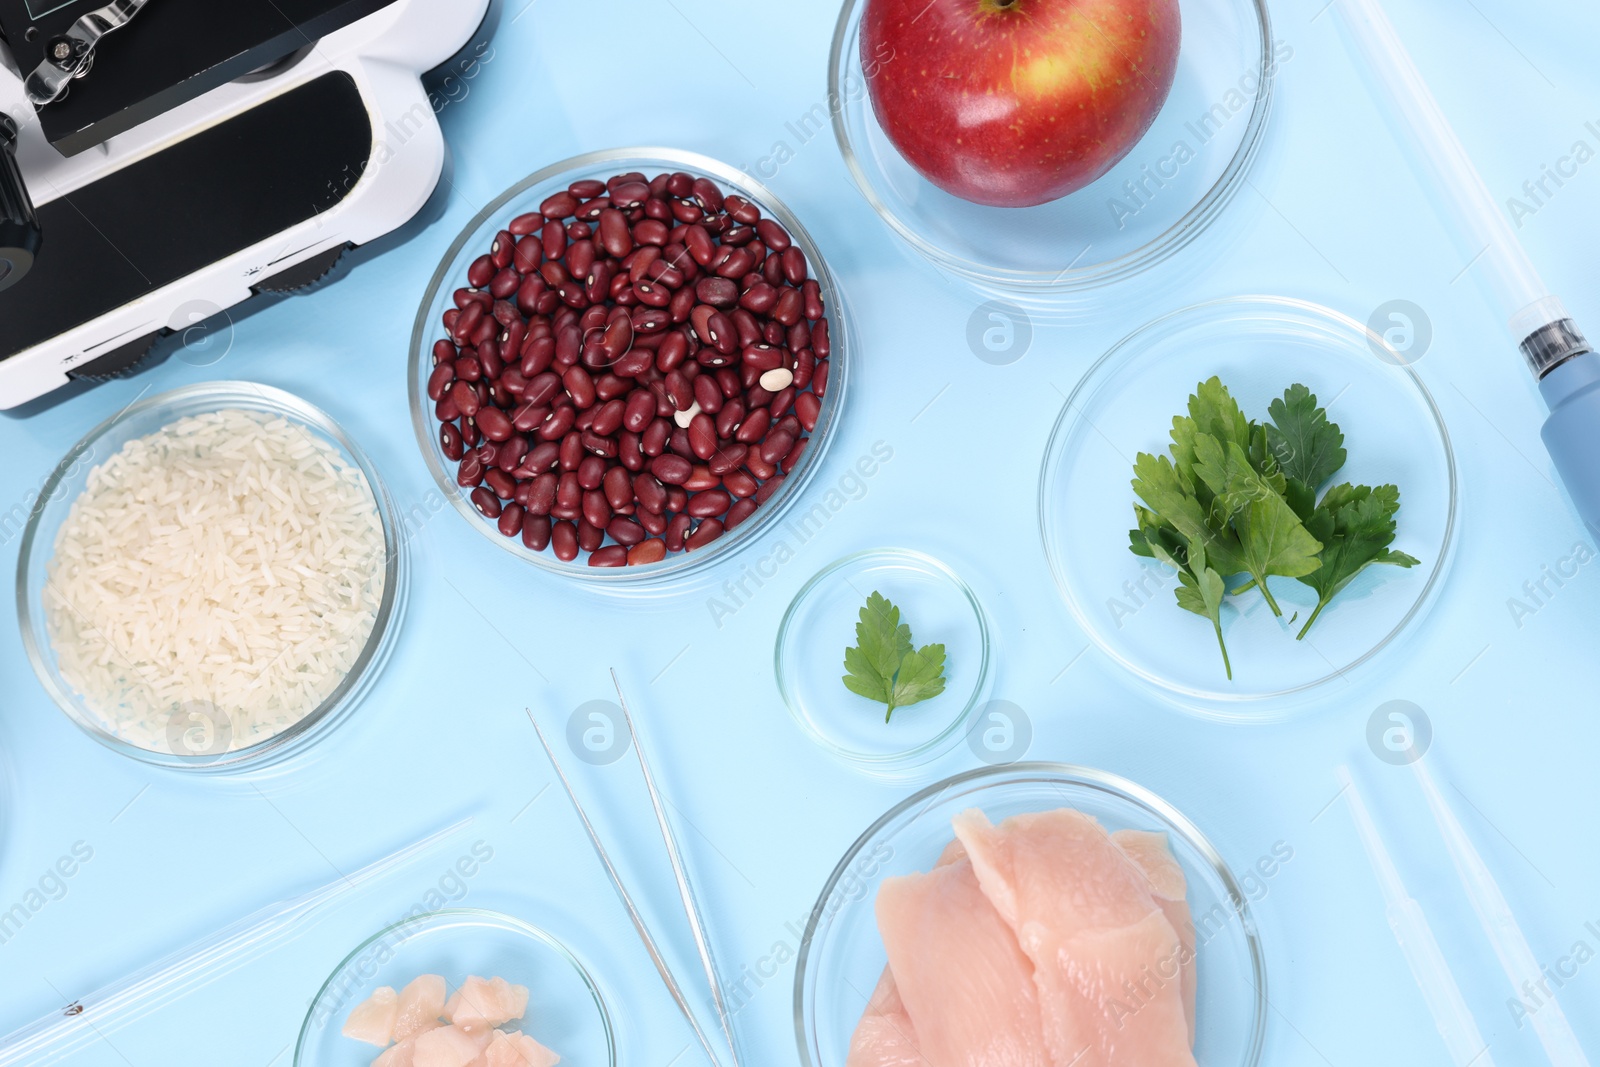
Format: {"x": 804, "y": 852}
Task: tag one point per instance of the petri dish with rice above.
{"x": 210, "y": 579}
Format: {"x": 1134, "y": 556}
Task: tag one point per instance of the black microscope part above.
{"x": 19, "y": 226}
{"x": 175, "y": 51}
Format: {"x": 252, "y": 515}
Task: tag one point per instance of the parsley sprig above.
{"x": 884, "y": 667}
{"x": 1240, "y": 499}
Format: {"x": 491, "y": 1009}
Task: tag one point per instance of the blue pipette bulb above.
{"x": 1569, "y": 378}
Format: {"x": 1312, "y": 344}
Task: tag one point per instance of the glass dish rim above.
{"x": 1046, "y": 771}
{"x": 216, "y": 396}
{"x": 1213, "y": 702}
{"x": 1182, "y": 233}
{"x": 676, "y": 565}
{"x": 477, "y": 917}
{"x": 927, "y": 751}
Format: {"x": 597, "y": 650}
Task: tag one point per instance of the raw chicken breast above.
{"x": 1150, "y": 853}
{"x": 481, "y": 1004}
{"x": 517, "y": 1050}
{"x": 966, "y": 986}
{"x": 372, "y": 1020}
{"x": 421, "y": 1003}
{"x": 885, "y": 1036}
{"x": 1083, "y": 913}
{"x": 450, "y": 1046}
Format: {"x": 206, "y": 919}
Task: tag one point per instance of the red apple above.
{"x": 1018, "y": 102}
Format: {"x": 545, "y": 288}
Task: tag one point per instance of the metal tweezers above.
{"x": 72, "y": 54}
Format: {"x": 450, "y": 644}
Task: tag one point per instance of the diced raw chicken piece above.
{"x": 483, "y": 1004}
{"x": 1083, "y": 912}
{"x": 1171, "y": 890}
{"x": 966, "y": 986}
{"x": 421, "y": 1003}
{"x": 450, "y": 1046}
{"x": 372, "y": 1020}
{"x": 885, "y": 1036}
{"x": 401, "y": 1055}
{"x": 517, "y": 1050}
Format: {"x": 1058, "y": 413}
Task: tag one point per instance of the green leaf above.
{"x": 1360, "y": 525}
{"x": 1156, "y": 482}
{"x": 1308, "y": 447}
{"x": 1273, "y": 540}
{"x": 1201, "y": 590}
{"x": 921, "y": 678}
{"x": 882, "y": 665}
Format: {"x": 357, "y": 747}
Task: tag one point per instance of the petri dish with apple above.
{"x": 949, "y": 115}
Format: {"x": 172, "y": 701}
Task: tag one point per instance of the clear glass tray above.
{"x": 1259, "y": 346}
{"x": 1161, "y": 196}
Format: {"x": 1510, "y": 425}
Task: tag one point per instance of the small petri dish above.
{"x": 526, "y": 196}
{"x": 200, "y": 736}
{"x": 566, "y": 1011}
{"x": 842, "y": 955}
{"x": 1164, "y": 194}
{"x": 821, "y": 623}
{"x": 1258, "y": 346}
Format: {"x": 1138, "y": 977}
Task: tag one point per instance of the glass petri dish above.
{"x": 526, "y": 196}
{"x": 61, "y": 491}
{"x": 820, "y": 624}
{"x": 1161, "y": 196}
{"x": 842, "y": 956}
{"x": 1259, "y": 346}
{"x": 566, "y": 1011}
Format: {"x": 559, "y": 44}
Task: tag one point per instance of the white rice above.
{"x": 227, "y": 568}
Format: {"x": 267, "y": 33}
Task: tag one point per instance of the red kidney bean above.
{"x": 727, "y": 458}
{"x": 536, "y": 532}
{"x": 494, "y": 424}
{"x": 718, "y": 292}
{"x": 819, "y": 378}
{"x": 470, "y": 471}
{"x": 754, "y": 427}
{"x": 450, "y": 442}
{"x": 701, "y": 479}
{"x": 709, "y": 503}
{"x": 793, "y": 458}
{"x": 440, "y": 379}
{"x": 677, "y": 529}
{"x": 559, "y": 205}
{"x": 759, "y": 467}
{"x": 486, "y": 502}
{"x": 764, "y": 358}
{"x": 608, "y": 420}
{"x": 639, "y": 410}
{"x": 707, "y": 532}
{"x": 740, "y": 484}
{"x": 504, "y": 486}
{"x": 671, "y": 469}
{"x": 558, "y": 424}
{"x": 591, "y": 472}
{"x": 653, "y": 442}
{"x": 481, "y": 271}
{"x": 768, "y": 487}
{"x": 595, "y": 509}
{"x": 625, "y": 531}
{"x": 618, "y": 488}
{"x": 590, "y": 537}
{"x": 703, "y": 436}
{"x": 542, "y": 497}
{"x": 708, "y": 394}
{"x": 651, "y": 551}
{"x": 564, "y": 541}
{"x": 609, "y": 556}
{"x": 511, "y": 520}
{"x": 523, "y": 225}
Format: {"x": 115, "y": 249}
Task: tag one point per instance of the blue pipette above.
{"x": 1566, "y": 367}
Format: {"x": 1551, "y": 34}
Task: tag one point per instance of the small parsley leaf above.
{"x": 884, "y": 667}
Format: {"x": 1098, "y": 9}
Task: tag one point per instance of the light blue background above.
{"x": 1331, "y": 213}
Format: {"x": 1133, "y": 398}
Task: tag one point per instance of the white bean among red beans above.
{"x": 632, "y": 370}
